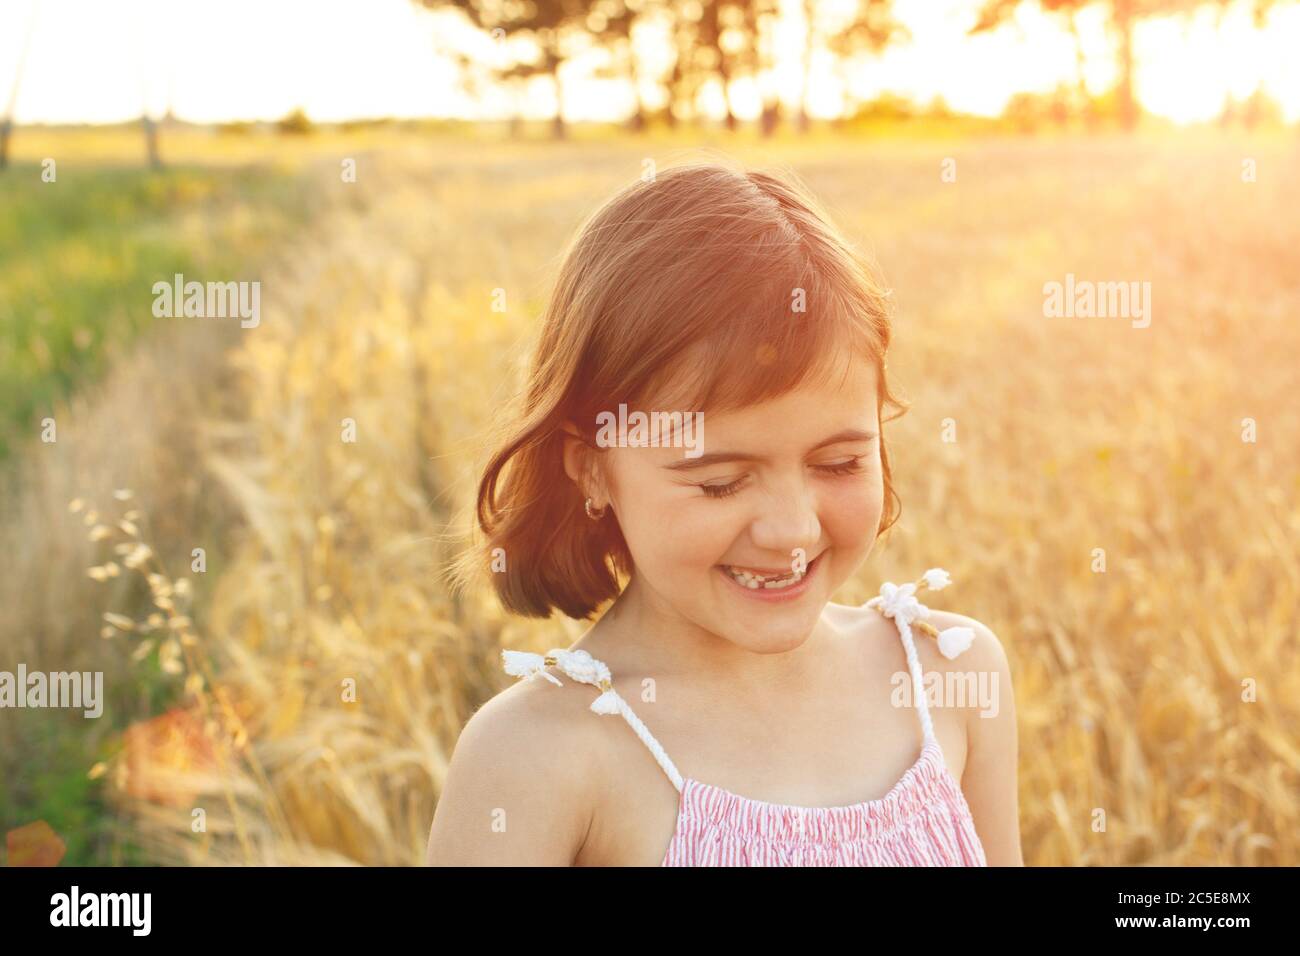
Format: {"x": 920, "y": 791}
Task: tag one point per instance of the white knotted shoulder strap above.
{"x": 585, "y": 669}
{"x": 898, "y": 602}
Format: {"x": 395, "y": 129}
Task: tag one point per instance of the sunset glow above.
{"x": 247, "y": 59}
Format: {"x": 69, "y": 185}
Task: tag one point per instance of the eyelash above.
{"x": 849, "y": 467}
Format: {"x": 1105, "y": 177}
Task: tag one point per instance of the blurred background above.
{"x": 285, "y": 668}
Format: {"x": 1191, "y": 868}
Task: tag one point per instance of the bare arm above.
{"x": 513, "y": 796}
{"x": 989, "y": 781}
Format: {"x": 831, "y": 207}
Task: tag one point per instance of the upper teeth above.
{"x": 751, "y": 579}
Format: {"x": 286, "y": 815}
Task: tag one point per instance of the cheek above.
{"x": 680, "y": 538}
{"x": 851, "y": 512}
{"x": 669, "y": 530}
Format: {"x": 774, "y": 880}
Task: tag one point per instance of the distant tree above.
{"x": 1123, "y": 17}
{"x": 870, "y": 29}
{"x": 730, "y": 40}
{"x": 713, "y": 40}
{"x": 611, "y": 23}
{"x": 722, "y": 18}
{"x": 759, "y": 21}
{"x": 682, "y": 31}
{"x": 296, "y": 123}
{"x": 1257, "y": 105}
{"x": 151, "y": 140}
{"x": 997, "y": 12}
{"x": 547, "y": 22}
{"x": 7, "y": 122}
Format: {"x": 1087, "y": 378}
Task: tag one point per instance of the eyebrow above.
{"x": 713, "y": 458}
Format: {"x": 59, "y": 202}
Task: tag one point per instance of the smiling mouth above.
{"x": 768, "y": 580}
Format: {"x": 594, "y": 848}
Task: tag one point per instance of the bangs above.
{"x": 756, "y": 347}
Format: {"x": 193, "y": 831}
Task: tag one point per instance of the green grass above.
{"x": 78, "y": 259}
{"x": 56, "y": 787}
{"x": 80, "y": 256}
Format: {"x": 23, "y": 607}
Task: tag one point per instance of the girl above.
{"x": 767, "y": 725}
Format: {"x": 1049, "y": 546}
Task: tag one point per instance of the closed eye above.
{"x": 850, "y": 467}
{"x": 722, "y": 491}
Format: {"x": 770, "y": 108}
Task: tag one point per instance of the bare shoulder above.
{"x": 986, "y": 647}
{"x": 985, "y": 651}
{"x": 519, "y": 790}
{"x": 990, "y": 781}
{"x": 991, "y": 719}
{"x": 985, "y": 655}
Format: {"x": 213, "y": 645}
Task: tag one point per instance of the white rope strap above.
{"x": 585, "y": 669}
{"x": 899, "y": 603}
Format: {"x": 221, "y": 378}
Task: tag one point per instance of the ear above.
{"x": 580, "y": 461}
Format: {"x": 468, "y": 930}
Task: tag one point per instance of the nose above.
{"x": 787, "y": 519}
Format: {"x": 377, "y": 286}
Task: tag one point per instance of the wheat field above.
{"x": 1164, "y": 691}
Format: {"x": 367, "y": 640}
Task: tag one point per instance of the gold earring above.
{"x": 594, "y": 517}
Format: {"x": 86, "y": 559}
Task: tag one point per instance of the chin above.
{"x": 777, "y": 638}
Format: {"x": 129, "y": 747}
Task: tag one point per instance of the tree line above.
{"x": 719, "y": 42}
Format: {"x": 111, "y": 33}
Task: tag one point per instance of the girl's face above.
{"x": 719, "y": 540}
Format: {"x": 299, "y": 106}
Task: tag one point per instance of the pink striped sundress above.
{"x": 924, "y": 820}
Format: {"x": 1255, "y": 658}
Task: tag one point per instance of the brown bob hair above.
{"x": 685, "y": 282}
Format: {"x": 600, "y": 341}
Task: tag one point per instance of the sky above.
{"x": 92, "y": 61}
